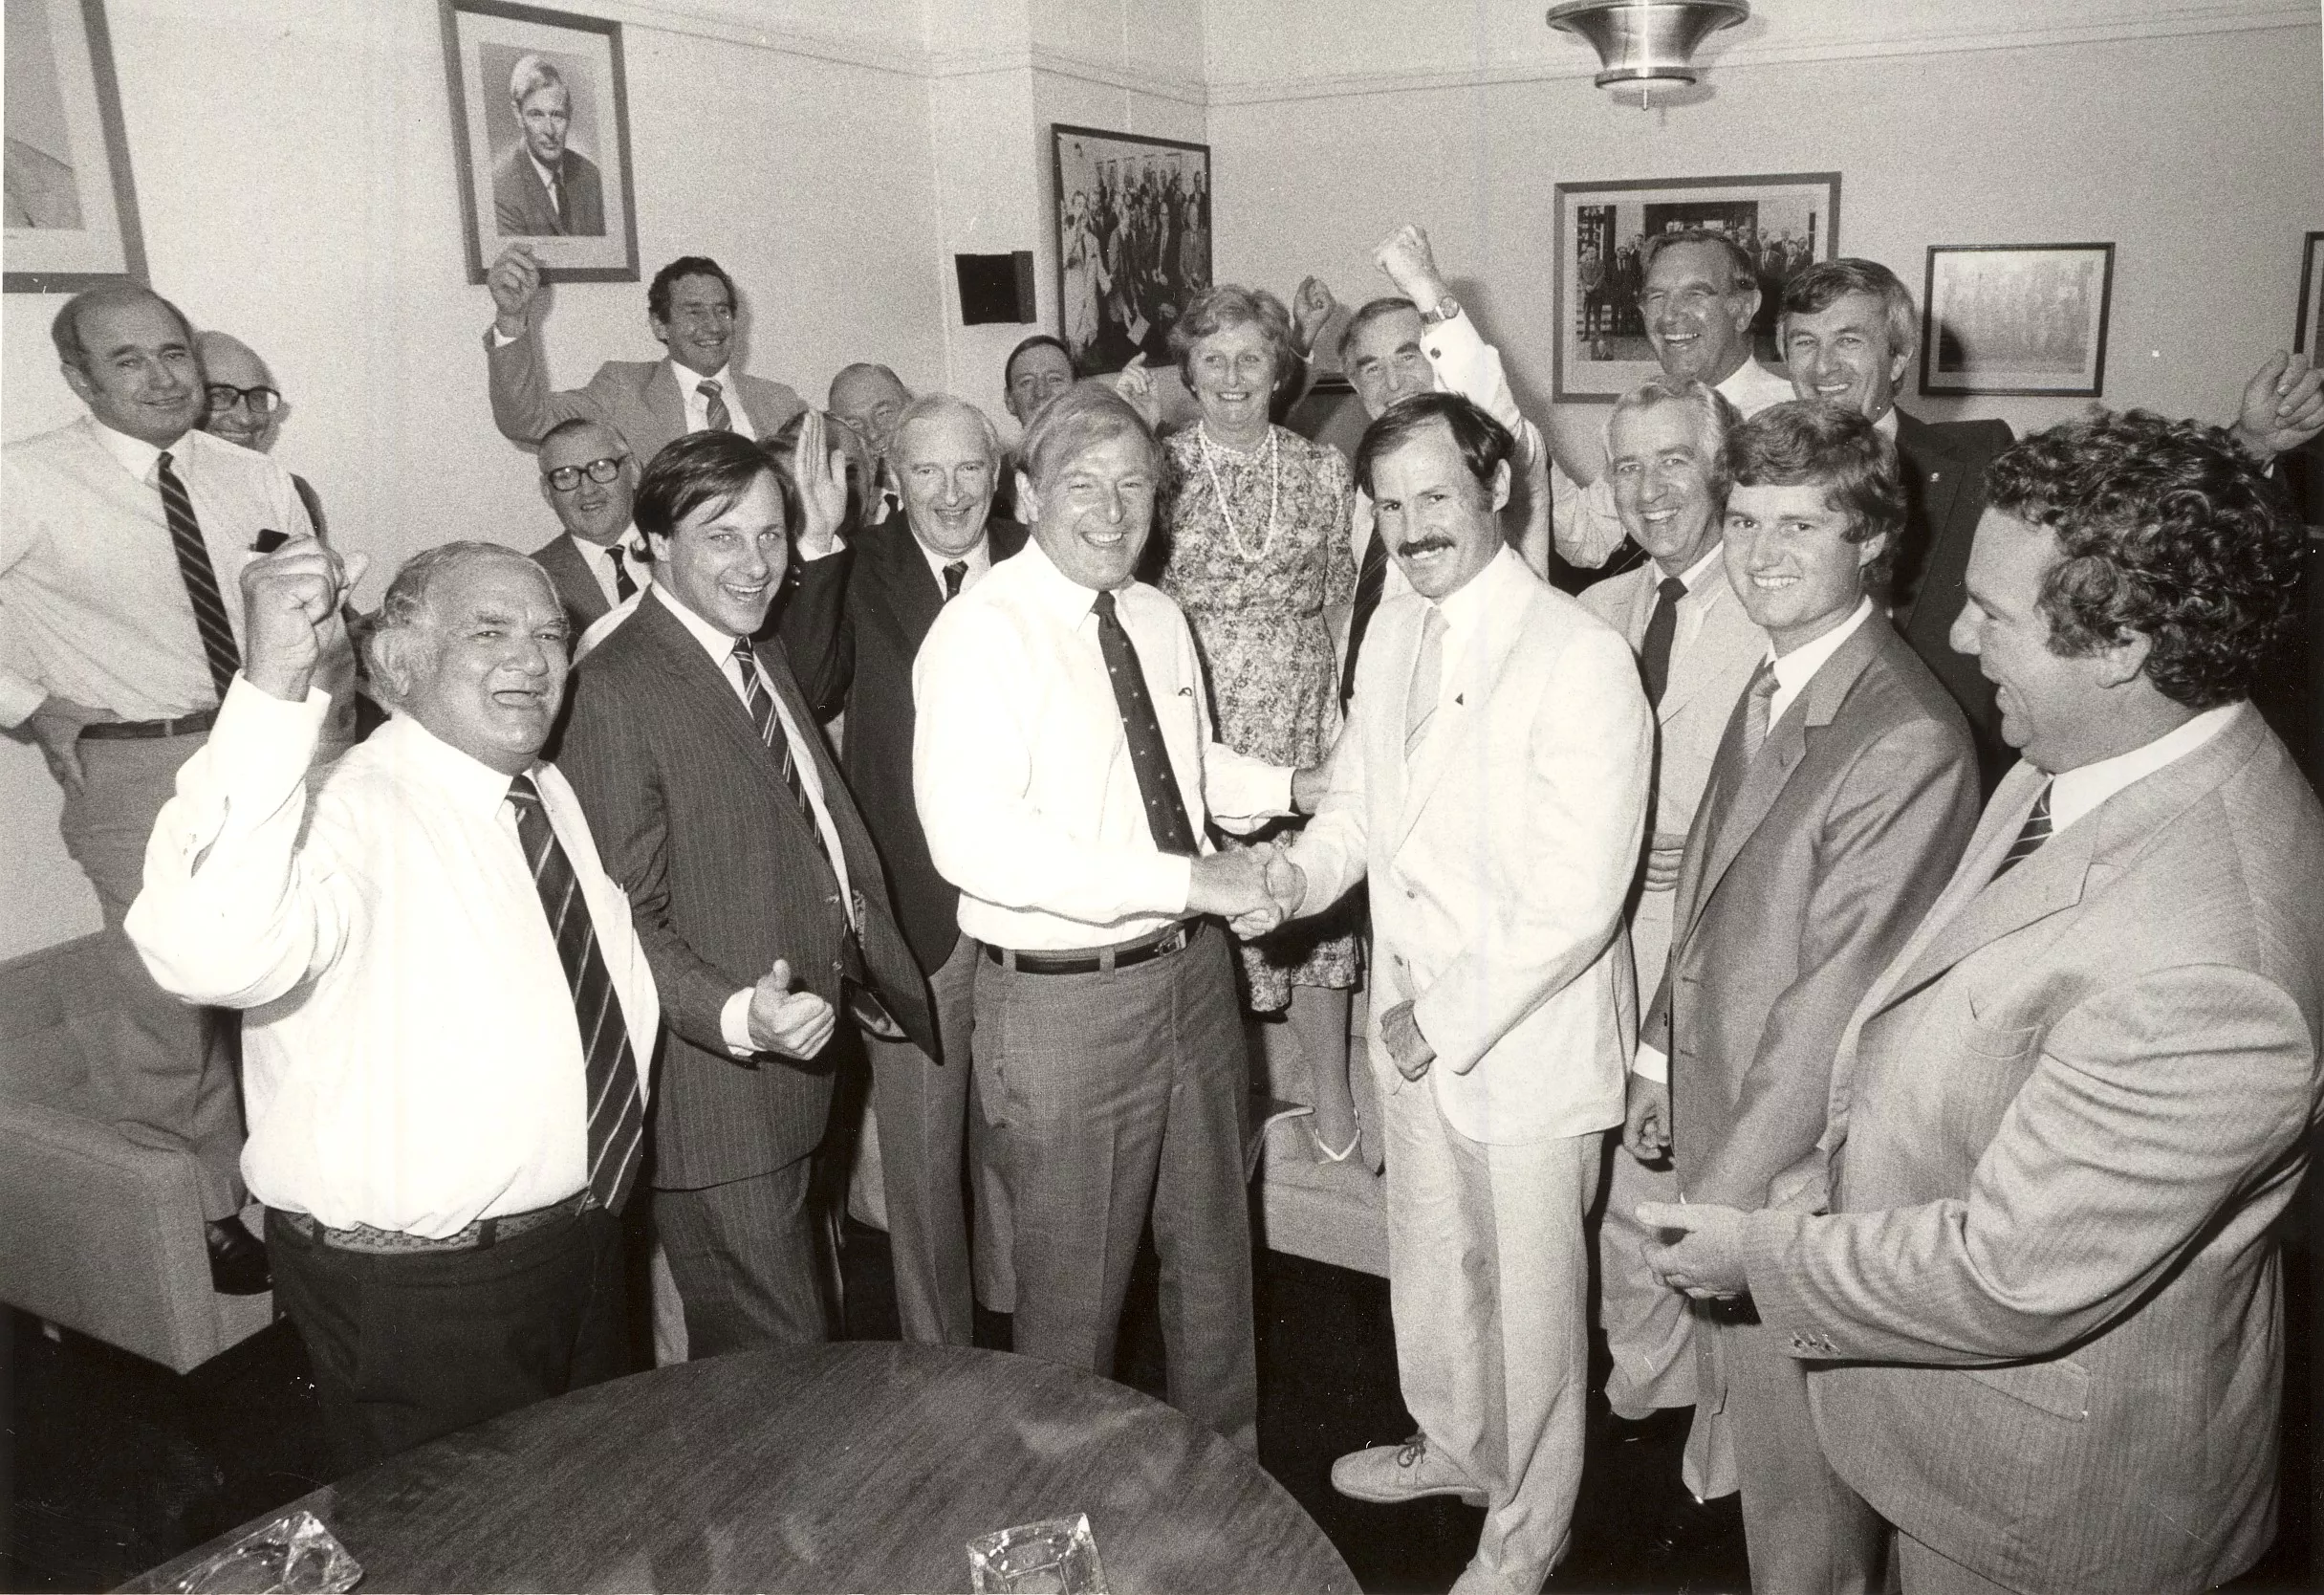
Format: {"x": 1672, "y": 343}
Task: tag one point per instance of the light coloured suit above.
{"x": 638, "y": 399}
{"x": 2066, "y": 1117}
{"x": 1499, "y": 857}
{"x": 1715, "y": 649}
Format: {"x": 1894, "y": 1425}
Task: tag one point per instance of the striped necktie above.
{"x": 201, "y": 578}
{"x": 617, "y": 1111}
{"x": 2029, "y": 837}
{"x": 714, "y": 416}
{"x": 955, "y": 574}
{"x": 761, "y": 703}
{"x": 1757, "y": 699}
{"x": 1371, "y": 576}
{"x": 625, "y": 586}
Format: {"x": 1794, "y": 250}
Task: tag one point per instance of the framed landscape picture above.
{"x": 1133, "y": 242}
{"x": 1784, "y": 222}
{"x": 2308, "y": 337}
{"x": 2027, "y": 319}
{"x": 71, "y": 210}
{"x": 540, "y": 127}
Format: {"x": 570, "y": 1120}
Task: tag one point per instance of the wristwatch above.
{"x": 1443, "y": 311}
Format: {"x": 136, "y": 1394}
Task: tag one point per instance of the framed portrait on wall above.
{"x": 1133, "y": 242}
{"x": 2308, "y": 337}
{"x": 71, "y": 210}
{"x": 540, "y": 127}
{"x": 1783, "y": 221}
{"x": 2025, "y": 319}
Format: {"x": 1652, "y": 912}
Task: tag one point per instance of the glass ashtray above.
{"x": 293, "y": 1554}
{"x": 1057, "y": 1556}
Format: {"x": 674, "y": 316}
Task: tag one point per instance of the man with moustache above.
{"x": 759, "y": 897}
{"x": 1841, "y": 796}
{"x": 862, "y": 615}
{"x": 691, "y": 309}
{"x": 590, "y": 480}
{"x": 539, "y": 185}
{"x": 1491, "y": 785}
{"x": 449, "y": 1017}
{"x": 117, "y": 645}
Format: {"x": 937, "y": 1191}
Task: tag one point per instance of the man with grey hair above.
{"x": 541, "y": 186}
{"x": 855, "y": 622}
{"x": 449, "y": 1016}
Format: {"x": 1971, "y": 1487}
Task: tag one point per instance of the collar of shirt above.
{"x": 2075, "y": 793}
{"x": 470, "y": 785}
{"x": 718, "y": 645}
{"x": 1694, "y": 574}
{"x": 1751, "y": 387}
{"x": 136, "y": 455}
{"x": 549, "y": 176}
{"x": 1050, "y": 589}
{"x": 1794, "y": 670}
{"x": 1886, "y": 425}
{"x": 1464, "y": 608}
{"x": 979, "y": 560}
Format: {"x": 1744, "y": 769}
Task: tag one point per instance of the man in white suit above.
{"x": 1492, "y": 784}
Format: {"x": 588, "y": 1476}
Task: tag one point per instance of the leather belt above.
{"x": 185, "y": 725}
{"x": 475, "y": 1237}
{"x": 1170, "y": 939}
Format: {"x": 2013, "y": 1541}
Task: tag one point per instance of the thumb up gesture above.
{"x": 795, "y": 1024}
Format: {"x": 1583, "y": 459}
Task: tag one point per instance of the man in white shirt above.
{"x": 590, "y": 480}
{"x": 1491, "y": 786}
{"x": 449, "y": 1017}
{"x": 117, "y": 640}
{"x": 2042, "y": 1318}
{"x": 1065, "y": 768}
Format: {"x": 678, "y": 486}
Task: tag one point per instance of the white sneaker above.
{"x": 1402, "y": 1473}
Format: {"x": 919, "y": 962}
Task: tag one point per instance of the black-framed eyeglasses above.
{"x": 260, "y": 401}
{"x": 566, "y": 478}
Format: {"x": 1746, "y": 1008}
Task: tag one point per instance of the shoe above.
{"x": 1689, "y": 1530}
{"x": 1402, "y": 1473}
{"x": 237, "y": 1259}
{"x": 1326, "y": 1154}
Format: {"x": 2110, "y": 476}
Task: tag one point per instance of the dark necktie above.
{"x": 623, "y": 586}
{"x": 1149, "y": 755}
{"x": 761, "y": 701}
{"x": 617, "y": 1112}
{"x": 714, "y": 416}
{"x": 2029, "y": 837}
{"x": 1757, "y": 698}
{"x": 1661, "y": 627}
{"x": 1370, "y": 575}
{"x": 955, "y": 573}
{"x": 201, "y": 578}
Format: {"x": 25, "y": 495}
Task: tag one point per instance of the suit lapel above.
{"x": 663, "y": 400}
{"x": 569, "y": 574}
{"x": 1694, "y": 668}
{"x": 687, "y": 661}
{"x": 1933, "y": 480}
{"x": 907, "y": 588}
{"x": 1458, "y": 717}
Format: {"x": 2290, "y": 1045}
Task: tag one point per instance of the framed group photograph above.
{"x": 540, "y": 126}
{"x": 1783, "y": 221}
{"x": 72, "y": 210}
{"x": 1133, "y": 242}
{"x": 2308, "y": 337}
{"x": 2021, "y": 318}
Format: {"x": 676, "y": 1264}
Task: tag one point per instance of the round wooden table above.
{"x": 865, "y": 1466}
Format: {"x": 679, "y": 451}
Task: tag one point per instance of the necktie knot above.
{"x": 1103, "y": 606}
{"x": 715, "y": 417}
{"x": 1672, "y": 589}
{"x": 955, "y": 573}
{"x": 163, "y": 461}
{"x": 522, "y": 793}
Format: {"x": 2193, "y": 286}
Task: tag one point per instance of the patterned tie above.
{"x": 1427, "y": 681}
{"x": 623, "y": 586}
{"x": 617, "y": 1112}
{"x": 1149, "y": 755}
{"x": 1661, "y": 628}
{"x": 1370, "y": 575}
{"x": 201, "y": 578}
{"x": 2029, "y": 837}
{"x": 714, "y": 416}
{"x": 1755, "y": 701}
{"x": 955, "y": 573}
{"x": 761, "y": 703}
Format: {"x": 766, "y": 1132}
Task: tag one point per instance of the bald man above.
{"x": 244, "y": 406}
{"x": 868, "y": 399}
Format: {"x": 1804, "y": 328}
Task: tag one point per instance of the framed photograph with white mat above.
{"x": 2018, "y": 319}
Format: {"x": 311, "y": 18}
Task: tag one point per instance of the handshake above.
{"x": 1254, "y": 890}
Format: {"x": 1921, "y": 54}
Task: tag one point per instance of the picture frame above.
{"x": 1786, "y": 220}
{"x": 2016, "y": 318}
{"x": 560, "y": 184}
{"x": 72, "y": 217}
{"x": 1133, "y": 238}
{"x": 2308, "y": 337}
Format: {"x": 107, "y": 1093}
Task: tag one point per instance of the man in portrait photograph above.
{"x": 540, "y": 185}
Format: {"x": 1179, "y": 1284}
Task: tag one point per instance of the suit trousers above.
{"x": 168, "y": 1076}
{"x": 408, "y": 1345}
{"x": 745, "y": 1256}
{"x": 1112, "y": 1096}
{"x": 1488, "y": 1276}
{"x": 1922, "y": 1569}
{"x": 923, "y": 1108}
{"x": 1805, "y": 1528}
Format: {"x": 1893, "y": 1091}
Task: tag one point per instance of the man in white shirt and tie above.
{"x": 590, "y": 480}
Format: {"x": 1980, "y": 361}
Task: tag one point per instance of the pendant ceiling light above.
{"x": 1646, "y": 44}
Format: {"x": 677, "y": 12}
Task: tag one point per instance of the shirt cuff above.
{"x": 734, "y": 1023}
{"x": 1651, "y": 1064}
{"x": 495, "y": 338}
{"x": 18, "y": 699}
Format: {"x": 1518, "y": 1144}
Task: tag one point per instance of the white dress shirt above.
{"x": 93, "y": 606}
{"x": 1022, "y": 770}
{"x": 2076, "y": 793}
{"x": 698, "y": 407}
{"x": 411, "y": 1058}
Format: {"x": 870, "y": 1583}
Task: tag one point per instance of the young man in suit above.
{"x": 1492, "y": 785}
{"x": 1842, "y": 792}
{"x": 590, "y": 480}
{"x": 2043, "y": 1317}
{"x": 855, "y": 622}
{"x": 692, "y": 311}
{"x": 759, "y": 897}
{"x": 540, "y": 184}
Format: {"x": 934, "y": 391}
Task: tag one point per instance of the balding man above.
{"x": 590, "y": 480}
{"x": 246, "y": 406}
{"x": 116, "y": 642}
{"x": 540, "y": 184}
{"x": 868, "y": 400}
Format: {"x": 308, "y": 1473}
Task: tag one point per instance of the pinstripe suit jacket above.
{"x": 2071, "y": 1108}
{"x": 724, "y": 875}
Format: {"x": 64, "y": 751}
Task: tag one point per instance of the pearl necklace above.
{"x": 1218, "y": 489}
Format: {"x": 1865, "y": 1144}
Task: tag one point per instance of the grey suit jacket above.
{"x": 2071, "y": 1111}
{"x": 576, "y": 585}
{"x": 521, "y": 207}
{"x": 1803, "y": 876}
{"x": 639, "y": 399}
{"x": 724, "y": 875}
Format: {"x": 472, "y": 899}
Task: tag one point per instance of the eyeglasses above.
{"x": 566, "y": 478}
{"x": 262, "y": 400}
